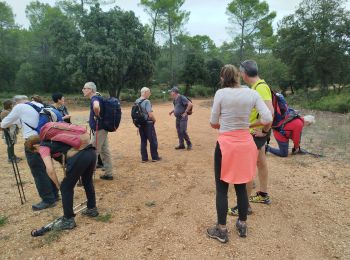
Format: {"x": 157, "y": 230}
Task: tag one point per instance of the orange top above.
{"x": 239, "y": 156}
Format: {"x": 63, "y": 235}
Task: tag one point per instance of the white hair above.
{"x": 20, "y": 98}
{"x": 145, "y": 90}
{"x": 309, "y": 119}
{"x": 91, "y": 85}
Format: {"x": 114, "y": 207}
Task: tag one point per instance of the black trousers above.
{"x": 80, "y": 165}
{"x": 148, "y": 133}
{"x": 222, "y": 190}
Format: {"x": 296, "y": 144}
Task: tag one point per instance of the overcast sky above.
{"x": 207, "y": 16}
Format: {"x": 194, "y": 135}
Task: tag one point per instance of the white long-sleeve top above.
{"x": 24, "y": 113}
{"x": 232, "y": 108}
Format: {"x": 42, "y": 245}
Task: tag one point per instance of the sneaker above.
{"x": 234, "y": 211}
{"x": 43, "y": 205}
{"x": 189, "y": 147}
{"x": 241, "y": 228}
{"x": 144, "y": 161}
{"x": 90, "y": 212}
{"x": 64, "y": 223}
{"x": 260, "y": 199}
{"x": 180, "y": 147}
{"x": 106, "y": 177}
{"x": 157, "y": 160}
{"x": 218, "y": 233}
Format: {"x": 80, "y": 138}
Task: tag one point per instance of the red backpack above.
{"x": 73, "y": 135}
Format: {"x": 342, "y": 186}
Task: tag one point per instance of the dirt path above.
{"x": 308, "y": 217}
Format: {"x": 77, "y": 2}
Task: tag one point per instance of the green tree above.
{"x": 252, "y": 18}
{"x": 213, "y": 73}
{"x": 115, "y": 51}
{"x": 154, "y": 9}
{"x": 172, "y": 20}
{"x": 9, "y": 61}
{"x": 315, "y": 43}
{"x": 194, "y": 71}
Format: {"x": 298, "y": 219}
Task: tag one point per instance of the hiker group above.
{"x": 245, "y": 118}
{"x": 49, "y": 134}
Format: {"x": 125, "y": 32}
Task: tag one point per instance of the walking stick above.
{"x": 15, "y": 167}
{"x": 41, "y": 231}
{"x": 313, "y": 154}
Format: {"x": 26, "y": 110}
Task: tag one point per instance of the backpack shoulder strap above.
{"x": 37, "y": 109}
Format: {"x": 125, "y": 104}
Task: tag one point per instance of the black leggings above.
{"x": 80, "y": 165}
{"x": 221, "y": 193}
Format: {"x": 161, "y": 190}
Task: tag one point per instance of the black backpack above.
{"x": 112, "y": 114}
{"x": 137, "y": 115}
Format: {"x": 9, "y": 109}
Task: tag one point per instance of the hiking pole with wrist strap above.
{"x": 41, "y": 231}
{"x": 15, "y": 167}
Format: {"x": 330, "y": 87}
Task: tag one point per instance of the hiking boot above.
{"x": 218, "y": 233}
{"x": 106, "y": 177}
{"x": 157, "y": 160}
{"x": 43, "y": 205}
{"x": 64, "y": 223}
{"x": 241, "y": 228}
{"x": 90, "y": 212}
{"x": 260, "y": 199}
{"x": 234, "y": 211}
{"x": 180, "y": 147}
{"x": 189, "y": 147}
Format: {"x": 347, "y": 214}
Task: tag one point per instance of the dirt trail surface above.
{"x": 308, "y": 217}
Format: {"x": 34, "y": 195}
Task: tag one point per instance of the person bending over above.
{"x": 79, "y": 159}
{"x": 292, "y": 130}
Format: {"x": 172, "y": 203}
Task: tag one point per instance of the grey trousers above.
{"x": 181, "y": 127}
{"x": 102, "y": 149}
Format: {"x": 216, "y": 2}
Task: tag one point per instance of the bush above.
{"x": 339, "y": 103}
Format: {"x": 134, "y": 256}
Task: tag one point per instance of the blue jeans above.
{"x": 148, "y": 132}
{"x": 282, "y": 151}
{"x": 46, "y": 188}
{"x": 181, "y": 127}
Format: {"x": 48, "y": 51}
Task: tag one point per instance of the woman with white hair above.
{"x": 291, "y": 130}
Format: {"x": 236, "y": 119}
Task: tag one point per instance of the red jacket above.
{"x": 293, "y": 131}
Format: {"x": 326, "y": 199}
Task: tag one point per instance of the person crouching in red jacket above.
{"x": 293, "y": 131}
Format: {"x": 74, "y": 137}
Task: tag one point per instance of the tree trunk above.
{"x": 291, "y": 89}
{"x": 242, "y": 44}
{"x": 187, "y": 89}
{"x": 171, "y": 50}
{"x": 113, "y": 94}
{"x": 154, "y": 27}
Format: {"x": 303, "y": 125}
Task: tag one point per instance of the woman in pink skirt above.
{"x": 235, "y": 153}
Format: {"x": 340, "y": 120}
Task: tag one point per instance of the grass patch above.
{"x": 104, "y": 218}
{"x": 3, "y": 220}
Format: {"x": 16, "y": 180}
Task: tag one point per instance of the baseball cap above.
{"x": 174, "y": 89}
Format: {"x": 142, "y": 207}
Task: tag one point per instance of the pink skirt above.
{"x": 239, "y": 156}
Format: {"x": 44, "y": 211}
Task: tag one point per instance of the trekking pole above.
{"x": 41, "y": 231}
{"x": 313, "y": 154}
{"x": 15, "y": 168}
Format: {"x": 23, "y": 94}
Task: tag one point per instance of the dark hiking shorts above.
{"x": 261, "y": 141}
